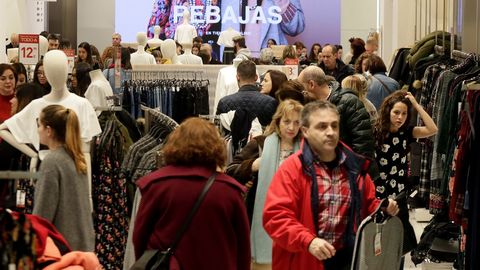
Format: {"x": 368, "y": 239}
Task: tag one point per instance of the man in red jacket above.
{"x": 318, "y": 197}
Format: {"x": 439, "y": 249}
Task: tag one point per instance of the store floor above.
{"x": 419, "y": 219}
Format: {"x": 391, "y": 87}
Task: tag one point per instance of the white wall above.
{"x": 358, "y": 18}
{"x": 22, "y": 17}
{"x": 96, "y": 22}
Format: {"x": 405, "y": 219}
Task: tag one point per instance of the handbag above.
{"x": 163, "y": 259}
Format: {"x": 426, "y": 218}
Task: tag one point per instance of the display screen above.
{"x": 285, "y": 21}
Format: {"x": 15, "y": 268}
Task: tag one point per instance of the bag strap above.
{"x": 192, "y": 213}
{"x": 384, "y": 85}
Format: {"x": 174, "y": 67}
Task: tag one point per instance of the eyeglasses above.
{"x": 40, "y": 74}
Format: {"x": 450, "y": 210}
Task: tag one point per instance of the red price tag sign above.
{"x": 71, "y": 58}
{"x": 28, "y": 49}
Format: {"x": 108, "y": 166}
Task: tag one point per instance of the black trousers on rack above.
{"x": 228, "y": 55}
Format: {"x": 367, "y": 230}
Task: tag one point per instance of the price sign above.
{"x": 28, "y": 49}
{"x": 291, "y": 71}
{"x": 71, "y": 58}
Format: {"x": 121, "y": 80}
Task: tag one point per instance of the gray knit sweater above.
{"x": 61, "y": 196}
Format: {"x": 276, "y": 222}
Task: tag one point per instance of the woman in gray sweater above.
{"x": 61, "y": 194}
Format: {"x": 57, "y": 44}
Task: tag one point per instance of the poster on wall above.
{"x": 285, "y": 21}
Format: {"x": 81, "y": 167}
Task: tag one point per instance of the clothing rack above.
{"x": 7, "y": 175}
{"x": 161, "y": 75}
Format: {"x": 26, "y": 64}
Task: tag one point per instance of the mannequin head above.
{"x": 142, "y": 39}
{"x": 55, "y": 65}
{"x": 169, "y": 49}
{"x": 186, "y": 17}
{"x": 43, "y": 45}
{"x": 156, "y": 31}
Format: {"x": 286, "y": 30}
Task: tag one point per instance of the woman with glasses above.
{"x": 40, "y": 79}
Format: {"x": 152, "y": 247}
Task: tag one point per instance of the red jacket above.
{"x": 219, "y": 235}
{"x": 288, "y": 216}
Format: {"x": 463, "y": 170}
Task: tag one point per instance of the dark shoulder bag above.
{"x": 160, "y": 259}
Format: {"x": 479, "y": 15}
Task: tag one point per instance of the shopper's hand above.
{"x": 321, "y": 249}
{"x": 392, "y": 208}
{"x": 256, "y": 165}
{"x": 412, "y": 99}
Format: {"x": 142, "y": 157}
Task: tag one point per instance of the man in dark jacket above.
{"x": 355, "y": 126}
{"x": 248, "y": 97}
{"x": 332, "y": 66}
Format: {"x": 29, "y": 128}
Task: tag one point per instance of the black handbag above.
{"x": 162, "y": 259}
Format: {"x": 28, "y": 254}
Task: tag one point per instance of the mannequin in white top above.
{"x": 155, "y": 41}
{"x": 140, "y": 57}
{"x": 21, "y": 128}
{"x": 226, "y": 37}
{"x": 185, "y": 32}
{"x": 188, "y": 58}
{"x": 169, "y": 51}
{"x": 99, "y": 92}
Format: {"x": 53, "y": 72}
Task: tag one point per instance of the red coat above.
{"x": 219, "y": 235}
{"x": 288, "y": 217}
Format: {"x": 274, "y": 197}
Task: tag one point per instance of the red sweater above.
{"x": 219, "y": 235}
{"x": 5, "y": 107}
{"x": 288, "y": 216}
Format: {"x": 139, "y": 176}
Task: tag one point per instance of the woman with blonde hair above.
{"x": 280, "y": 140}
{"x": 61, "y": 193}
{"x": 359, "y": 85}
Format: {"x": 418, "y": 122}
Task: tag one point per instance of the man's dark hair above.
{"x": 313, "y": 107}
{"x": 53, "y": 36}
{"x": 375, "y": 64}
{"x": 247, "y": 70}
{"x": 197, "y": 39}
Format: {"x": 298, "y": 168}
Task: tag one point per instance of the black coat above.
{"x": 355, "y": 127}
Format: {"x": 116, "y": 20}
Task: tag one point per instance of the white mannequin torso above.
{"x": 140, "y": 57}
{"x": 226, "y": 37}
{"x": 188, "y": 58}
{"x": 155, "y": 41}
{"x": 98, "y": 91}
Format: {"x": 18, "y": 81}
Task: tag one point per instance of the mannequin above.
{"x": 155, "y": 41}
{"x": 141, "y": 57}
{"x": 98, "y": 91}
{"x": 169, "y": 52}
{"x": 226, "y": 39}
{"x": 185, "y": 32}
{"x": 43, "y": 45}
{"x": 21, "y": 128}
{"x": 188, "y": 58}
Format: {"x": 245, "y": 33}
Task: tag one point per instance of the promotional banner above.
{"x": 285, "y": 21}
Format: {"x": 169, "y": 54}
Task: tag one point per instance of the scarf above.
{"x": 261, "y": 243}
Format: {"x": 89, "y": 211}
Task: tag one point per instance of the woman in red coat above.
{"x": 218, "y": 236}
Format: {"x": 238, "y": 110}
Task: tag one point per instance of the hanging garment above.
{"x": 110, "y": 191}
